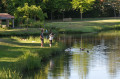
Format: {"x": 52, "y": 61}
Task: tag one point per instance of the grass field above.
{"x": 19, "y": 54}
{"x": 86, "y": 25}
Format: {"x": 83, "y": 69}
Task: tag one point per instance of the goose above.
{"x": 87, "y": 51}
{"x": 82, "y": 49}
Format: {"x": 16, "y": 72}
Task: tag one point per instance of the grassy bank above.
{"x": 19, "y": 54}
{"x": 86, "y": 25}
{"x": 75, "y": 26}
{"x": 22, "y": 31}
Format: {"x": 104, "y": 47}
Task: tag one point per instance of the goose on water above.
{"x": 82, "y": 49}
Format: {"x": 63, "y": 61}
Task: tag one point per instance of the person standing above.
{"x": 42, "y": 38}
{"x": 50, "y": 39}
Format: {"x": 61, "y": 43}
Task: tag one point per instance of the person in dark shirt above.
{"x": 42, "y": 38}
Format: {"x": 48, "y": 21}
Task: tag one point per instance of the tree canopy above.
{"x": 82, "y": 5}
{"x": 58, "y": 9}
{"x": 30, "y": 12}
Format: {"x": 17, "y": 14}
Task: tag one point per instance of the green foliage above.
{"x": 32, "y": 24}
{"x": 29, "y": 13}
{"x": 38, "y": 24}
{"x": 12, "y": 5}
{"x": 63, "y": 5}
{"x": 82, "y": 5}
{"x": 58, "y": 8}
{"x": 58, "y": 5}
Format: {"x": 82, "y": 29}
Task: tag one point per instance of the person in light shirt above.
{"x": 51, "y": 38}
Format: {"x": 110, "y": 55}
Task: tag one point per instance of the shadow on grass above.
{"x": 8, "y": 51}
{"x": 17, "y": 43}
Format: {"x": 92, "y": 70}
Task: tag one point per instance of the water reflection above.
{"x": 102, "y": 61}
{"x": 51, "y": 64}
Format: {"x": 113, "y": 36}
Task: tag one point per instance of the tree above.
{"x": 30, "y": 12}
{"x": 63, "y": 5}
{"x": 41, "y": 3}
{"x": 82, "y": 5}
{"x": 50, "y": 4}
{"x": 58, "y": 6}
{"x": 115, "y": 4}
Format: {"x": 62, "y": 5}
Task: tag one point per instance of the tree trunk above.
{"x": 58, "y": 16}
{"x": 13, "y": 22}
{"x": 81, "y": 11}
{"x": 81, "y": 15}
{"x": 51, "y": 16}
{"x": 119, "y": 12}
{"x": 114, "y": 10}
{"x": 27, "y": 23}
{"x": 7, "y": 24}
{"x": 35, "y": 18}
{"x": 63, "y": 14}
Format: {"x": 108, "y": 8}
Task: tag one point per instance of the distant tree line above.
{"x": 58, "y": 9}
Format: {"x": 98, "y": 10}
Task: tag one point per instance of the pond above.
{"x": 90, "y": 56}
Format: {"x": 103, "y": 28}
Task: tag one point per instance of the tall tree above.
{"x": 63, "y": 5}
{"x": 50, "y": 4}
{"x": 58, "y": 5}
{"x": 82, "y": 5}
{"x": 115, "y": 4}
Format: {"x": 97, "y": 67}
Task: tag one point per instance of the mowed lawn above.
{"x": 87, "y": 25}
{"x": 13, "y": 47}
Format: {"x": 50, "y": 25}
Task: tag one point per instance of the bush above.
{"x": 38, "y": 24}
{"x": 33, "y": 24}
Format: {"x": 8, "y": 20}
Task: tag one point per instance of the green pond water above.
{"x": 87, "y": 56}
